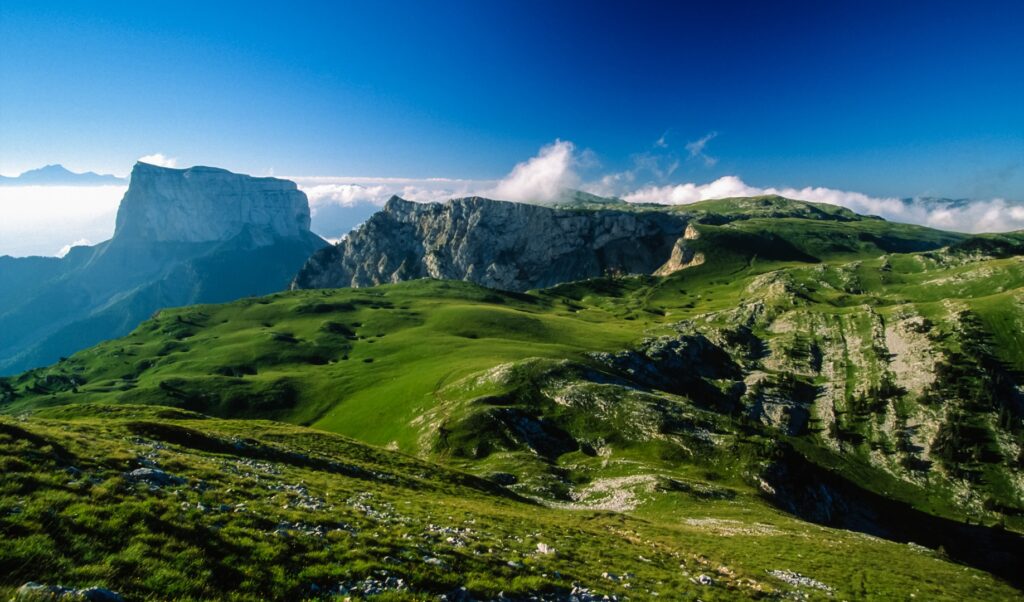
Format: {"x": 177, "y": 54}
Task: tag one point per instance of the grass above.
{"x": 639, "y": 425}
{"x": 270, "y": 510}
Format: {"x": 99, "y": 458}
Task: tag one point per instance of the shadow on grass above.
{"x": 819, "y": 495}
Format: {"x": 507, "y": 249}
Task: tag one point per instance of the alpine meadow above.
{"x": 594, "y": 378}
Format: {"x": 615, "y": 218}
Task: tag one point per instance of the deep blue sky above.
{"x": 889, "y": 98}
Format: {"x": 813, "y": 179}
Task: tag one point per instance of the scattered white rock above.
{"x": 794, "y": 578}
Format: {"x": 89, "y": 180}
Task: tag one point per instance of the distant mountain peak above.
{"x": 53, "y": 168}
{"x": 56, "y": 174}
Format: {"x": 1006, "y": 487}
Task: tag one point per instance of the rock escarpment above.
{"x": 197, "y": 235}
{"x": 203, "y": 204}
{"x": 509, "y": 246}
{"x": 683, "y": 255}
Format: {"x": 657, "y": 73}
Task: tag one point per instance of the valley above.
{"x": 826, "y": 405}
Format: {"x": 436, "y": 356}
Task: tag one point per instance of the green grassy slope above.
{"x": 376, "y": 363}
{"x": 360, "y": 362}
{"x": 814, "y": 366}
{"x": 259, "y": 510}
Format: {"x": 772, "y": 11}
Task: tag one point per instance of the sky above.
{"x": 645, "y": 100}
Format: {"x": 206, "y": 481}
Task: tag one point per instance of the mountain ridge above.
{"x": 519, "y": 246}
{"x": 58, "y": 175}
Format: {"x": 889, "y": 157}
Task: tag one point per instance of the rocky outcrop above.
{"x": 683, "y": 254}
{"x": 509, "y": 246}
{"x": 203, "y": 204}
{"x": 197, "y": 235}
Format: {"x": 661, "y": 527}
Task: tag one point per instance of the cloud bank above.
{"x": 338, "y": 204}
{"x": 40, "y": 220}
{"x": 995, "y": 215}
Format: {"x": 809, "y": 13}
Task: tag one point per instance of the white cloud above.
{"x": 994, "y": 215}
{"x": 540, "y": 178}
{"x": 696, "y": 148}
{"x": 346, "y": 195}
{"x": 81, "y": 242}
{"x": 611, "y": 184}
{"x": 662, "y": 142}
{"x": 338, "y": 204}
{"x": 160, "y": 160}
{"x": 350, "y": 191}
{"x": 682, "y": 194}
{"x": 36, "y": 220}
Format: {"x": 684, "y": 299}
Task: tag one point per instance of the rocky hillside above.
{"x": 510, "y": 246}
{"x": 183, "y": 236}
{"x": 517, "y": 247}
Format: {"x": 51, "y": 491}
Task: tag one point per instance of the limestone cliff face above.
{"x": 197, "y": 235}
{"x": 205, "y": 204}
{"x": 509, "y": 246}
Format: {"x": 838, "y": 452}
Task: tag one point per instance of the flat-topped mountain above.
{"x": 183, "y": 236}
{"x": 203, "y": 204}
{"x": 516, "y": 246}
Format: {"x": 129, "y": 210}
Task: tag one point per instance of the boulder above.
{"x": 153, "y": 477}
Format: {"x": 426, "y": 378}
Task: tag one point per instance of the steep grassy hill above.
{"x": 801, "y": 366}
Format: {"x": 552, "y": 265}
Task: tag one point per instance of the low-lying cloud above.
{"x": 996, "y": 215}
{"x": 81, "y": 242}
{"x": 338, "y": 204}
{"x": 159, "y": 159}
{"x": 41, "y": 220}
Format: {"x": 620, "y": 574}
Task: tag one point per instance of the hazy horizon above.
{"x": 48, "y": 220}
